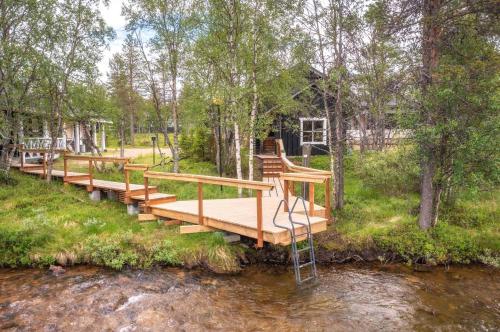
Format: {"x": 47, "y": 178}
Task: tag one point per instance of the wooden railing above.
{"x": 127, "y": 169}
{"x": 42, "y": 151}
{"x": 259, "y": 187}
{"x": 294, "y": 173}
{"x": 90, "y": 160}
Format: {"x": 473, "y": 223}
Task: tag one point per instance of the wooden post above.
{"x": 146, "y": 194}
{"x": 285, "y": 192}
{"x": 200, "y": 203}
{"x": 306, "y": 158}
{"x": 311, "y": 199}
{"x": 65, "y": 167}
{"x": 127, "y": 181}
{"x": 292, "y": 188}
{"x": 327, "y": 200}
{"x": 260, "y": 234}
{"x": 91, "y": 180}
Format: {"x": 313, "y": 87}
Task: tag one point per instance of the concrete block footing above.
{"x": 112, "y": 196}
{"x": 133, "y": 209}
{"x": 95, "y": 195}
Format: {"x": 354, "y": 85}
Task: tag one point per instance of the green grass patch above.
{"x": 44, "y": 223}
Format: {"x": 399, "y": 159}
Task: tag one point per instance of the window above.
{"x": 313, "y": 131}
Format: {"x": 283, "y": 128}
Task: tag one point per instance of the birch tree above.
{"x": 174, "y": 24}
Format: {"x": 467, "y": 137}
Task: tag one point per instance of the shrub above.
{"x": 7, "y": 179}
{"x": 392, "y": 171}
{"x": 17, "y": 243}
{"x": 197, "y": 144}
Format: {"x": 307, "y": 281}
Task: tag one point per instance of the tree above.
{"x": 74, "y": 41}
{"x": 173, "y": 23}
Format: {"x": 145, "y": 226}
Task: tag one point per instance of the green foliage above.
{"x": 393, "y": 171}
{"x": 197, "y": 144}
{"x": 7, "y": 179}
{"x": 41, "y": 224}
{"x": 110, "y": 251}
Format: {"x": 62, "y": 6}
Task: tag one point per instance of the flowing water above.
{"x": 346, "y": 298}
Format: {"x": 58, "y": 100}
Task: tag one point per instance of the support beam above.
{"x": 260, "y": 234}
{"x": 311, "y": 199}
{"x": 285, "y": 192}
{"x": 200, "y": 203}
{"x": 147, "y": 217}
{"x": 189, "y": 229}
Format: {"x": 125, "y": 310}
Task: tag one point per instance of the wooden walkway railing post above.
{"x": 286, "y": 189}
{"x": 260, "y": 233}
{"x": 311, "y": 199}
{"x": 327, "y": 200}
{"x": 146, "y": 194}
{"x": 91, "y": 180}
{"x": 200, "y": 203}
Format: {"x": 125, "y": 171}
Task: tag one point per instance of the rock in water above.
{"x": 57, "y": 270}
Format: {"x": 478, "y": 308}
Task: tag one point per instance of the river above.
{"x": 262, "y": 298}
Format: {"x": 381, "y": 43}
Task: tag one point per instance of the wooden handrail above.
{"x": 97, "y": 158}
{"x": 136, "y": 167}
{"x": 206, "y": 179}
{"x": 303, "y": 174}
{"x": 305, "y": 177}
{"x": 229, "y": 182}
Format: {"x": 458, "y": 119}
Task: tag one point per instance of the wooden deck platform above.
{"x": 238, "y": 215}
{"x": 251, "y": 217}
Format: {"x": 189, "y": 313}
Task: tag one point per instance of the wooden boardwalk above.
{"x": 239, "y": 215}
{"x": 251, "y": 217}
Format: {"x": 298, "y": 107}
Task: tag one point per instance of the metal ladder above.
{"x": 310, "y": 261}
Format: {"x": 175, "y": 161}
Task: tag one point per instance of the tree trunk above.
{"x": 429, "y": 202}
{"x": 255, "y": 97}
{"x": 175, "y": 118}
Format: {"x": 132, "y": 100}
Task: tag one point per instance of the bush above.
{"x": 393, "y": 171}
{"x": 197, "y": 144}
{"x": 17, "y": 243}
{"x": 7, "y": 179}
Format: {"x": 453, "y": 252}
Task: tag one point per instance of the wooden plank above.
{"x": 200, "y": 203}
{"x": 305, "y": 177}
{"x": 136, "y": 167}
{"x": 311, "y": 199}
{"x": 260, "y": 236}
{"x": 97, "y": 158}
{"x": 285, "y": 192}
{"x": 230, "y": 182}
{"x": 189, "y": 229}
{"x": 147, "y": 217}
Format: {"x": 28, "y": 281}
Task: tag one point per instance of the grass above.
{"x": 140, "y": 140}
{"x": 43, "y": 224}
{"x": 386, "y": 221}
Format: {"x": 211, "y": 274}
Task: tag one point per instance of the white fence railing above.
{"x": 43, "y": 143}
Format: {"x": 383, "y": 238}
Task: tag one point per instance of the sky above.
{"x": 112, "y": 16}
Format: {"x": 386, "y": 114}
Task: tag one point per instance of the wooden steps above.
{"x": 271, "y": 165}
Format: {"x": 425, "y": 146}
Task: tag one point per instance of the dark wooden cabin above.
{"x": 307, "y": 125}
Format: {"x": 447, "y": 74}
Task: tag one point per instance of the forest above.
{"x": 408, "y": 92}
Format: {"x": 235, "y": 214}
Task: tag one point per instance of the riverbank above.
{"x": 43, "y": 224}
